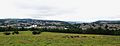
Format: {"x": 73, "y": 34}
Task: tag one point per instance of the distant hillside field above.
{"x": 26, "y": 38}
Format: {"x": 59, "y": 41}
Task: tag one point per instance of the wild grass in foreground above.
{"x": 26, "y": 38}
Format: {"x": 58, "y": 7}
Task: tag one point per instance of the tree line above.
{"x": 69, "y": 30}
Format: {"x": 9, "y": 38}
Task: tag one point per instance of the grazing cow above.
{"x": 71, "y": 36}
{"x": 84, "y": 36}
{"x": 93, "y": 37}
{"x": 76, "y": 36}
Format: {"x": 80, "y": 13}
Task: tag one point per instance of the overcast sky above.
{"x": 66, "y": 10}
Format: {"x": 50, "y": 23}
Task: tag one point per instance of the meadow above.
{"x": 26, "y": 38}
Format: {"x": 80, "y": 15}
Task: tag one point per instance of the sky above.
{"x": 64, "y": 10}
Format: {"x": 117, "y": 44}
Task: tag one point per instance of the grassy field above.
{"x": 25, "y": 38}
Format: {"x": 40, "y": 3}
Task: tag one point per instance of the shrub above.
{"x": 7, "y": 33}
{"x": 13, "y": 33}
{"x": 16, "y": 32}
{"x": 36, "y": 32}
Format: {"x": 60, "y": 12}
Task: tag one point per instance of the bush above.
{"x": 15, "y": 32}
{"x": 7, "y": 33}
{"x": 36, "y": 32}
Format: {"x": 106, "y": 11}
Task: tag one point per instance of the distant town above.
{"x": 30, "y": 23}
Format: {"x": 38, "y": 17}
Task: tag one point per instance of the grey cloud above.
{"x": 42, "y": 11}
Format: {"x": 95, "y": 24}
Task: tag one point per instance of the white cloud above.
{"x": 69, "y": 10}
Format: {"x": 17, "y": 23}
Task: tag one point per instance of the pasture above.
{"x": 26, "y": 38}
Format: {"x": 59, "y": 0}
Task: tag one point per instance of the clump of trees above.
{"x": 15, "y": 32}
{"x": 36, "y": 32}
{"x": 7, "y": 33}
{"x": 88, "y": 31}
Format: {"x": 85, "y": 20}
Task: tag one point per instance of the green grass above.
{"x": 25, "y": 38}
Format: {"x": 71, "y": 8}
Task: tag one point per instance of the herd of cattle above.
{"x": 67, "y": 36}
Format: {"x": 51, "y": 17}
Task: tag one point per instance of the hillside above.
{"x": 31, "y": 22}
{"x": 107, "y": 22}
{"x": 25, "y": 38}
